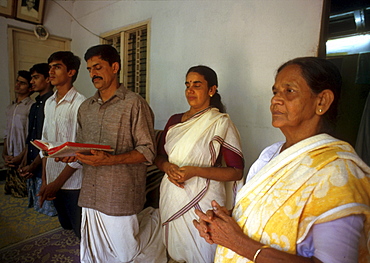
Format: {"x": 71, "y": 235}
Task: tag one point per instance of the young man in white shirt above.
{"x": 62, "y": 182}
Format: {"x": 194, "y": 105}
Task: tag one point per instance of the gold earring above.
{"x": 211, "y": 95}
{"x": 320, "y": 110}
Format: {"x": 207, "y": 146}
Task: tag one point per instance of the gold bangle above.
{"x": 258, "y": 252}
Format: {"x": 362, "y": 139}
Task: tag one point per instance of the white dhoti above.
{"x": 118, "y": 239}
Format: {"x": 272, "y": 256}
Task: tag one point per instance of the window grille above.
{"x": 132, "y": 46}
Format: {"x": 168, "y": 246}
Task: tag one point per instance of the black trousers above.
{"x": 69, "y": 213}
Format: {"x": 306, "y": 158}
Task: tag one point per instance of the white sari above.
{"x": 196, "y": 142}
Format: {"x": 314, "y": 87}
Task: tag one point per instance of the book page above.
{"x": 71, "y": 151}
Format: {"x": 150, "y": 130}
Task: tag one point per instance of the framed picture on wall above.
{"x": 7, "y": 8}
{"x": 31, "y": 10}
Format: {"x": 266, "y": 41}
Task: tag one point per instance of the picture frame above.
{"x": 31, "y": 10}
{"x": 41, "y": 32}
{"x": 7, "y": 8}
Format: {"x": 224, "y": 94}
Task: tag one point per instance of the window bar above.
{"x": 137, "y": 62}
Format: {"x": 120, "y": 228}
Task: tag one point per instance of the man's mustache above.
{"x": 96, "y": 77}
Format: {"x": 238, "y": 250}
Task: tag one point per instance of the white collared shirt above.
{"x": 60, "y": 125}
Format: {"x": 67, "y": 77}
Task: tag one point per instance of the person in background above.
{"x": 114, "y": 227}
{"x": 31, "y": 168}
{"x": 62, "y": 182}
{"x": 15, "y": 134}
{"x": 307, "y": 198}
{"x": 193, "y": 148}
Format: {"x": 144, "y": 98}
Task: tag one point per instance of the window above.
{"x": 132, "y": 45}
{"x": 349, "y": 32}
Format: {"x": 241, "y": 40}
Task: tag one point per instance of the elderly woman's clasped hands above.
{"x": 217, "y": 226}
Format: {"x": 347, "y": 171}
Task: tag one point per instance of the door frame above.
{"x": 12, "y": 70}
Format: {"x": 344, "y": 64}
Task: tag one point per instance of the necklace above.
{"x": 186, "y": 116}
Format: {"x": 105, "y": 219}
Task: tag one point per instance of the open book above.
{"x": 53, "y": 149}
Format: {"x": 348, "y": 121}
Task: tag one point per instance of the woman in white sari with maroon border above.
{"x": 196, "y": 144}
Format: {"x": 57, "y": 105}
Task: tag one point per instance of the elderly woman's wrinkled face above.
{"x": 197, "y": 92}
{"x": 293, "y": 105}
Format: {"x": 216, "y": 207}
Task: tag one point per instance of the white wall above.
{"x": 244, "y": 41}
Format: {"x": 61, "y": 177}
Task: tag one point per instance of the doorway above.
{"x": 348, "y": 47}
{"x": 353, "y": 97}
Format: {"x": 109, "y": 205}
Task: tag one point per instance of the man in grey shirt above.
{"x": 113, "y": 186}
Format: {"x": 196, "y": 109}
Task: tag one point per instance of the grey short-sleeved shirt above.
{"x": 125, "y": 122}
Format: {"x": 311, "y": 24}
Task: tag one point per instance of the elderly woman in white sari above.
{"x": 199, "y": 151}
{"x": 307, "y": 199}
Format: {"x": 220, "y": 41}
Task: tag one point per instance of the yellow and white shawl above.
{"x": 317, "y": 180}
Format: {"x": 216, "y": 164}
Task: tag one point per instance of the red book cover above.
{"x": 51, "y": 149}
